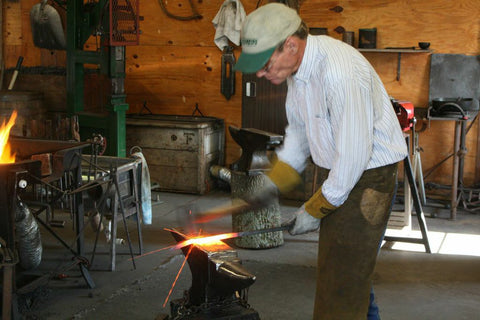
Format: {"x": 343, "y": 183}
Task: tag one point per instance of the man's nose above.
{"x": 260, "y": 73}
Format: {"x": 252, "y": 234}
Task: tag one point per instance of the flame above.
{"x": 6, "y": 155}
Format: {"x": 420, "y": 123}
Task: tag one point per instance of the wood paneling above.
{"x": 177, "y": 64}
{"x": 12, "y": 12}
{"x": 450, "y": 26}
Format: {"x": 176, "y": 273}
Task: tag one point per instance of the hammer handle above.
{"x": 15, "y": 72}
{"x": 222, "y": 211}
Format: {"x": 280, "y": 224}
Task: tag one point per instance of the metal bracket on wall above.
{"x": 399, "y": 51}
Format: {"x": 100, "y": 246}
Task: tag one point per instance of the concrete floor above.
{"x": 409, "y": 283}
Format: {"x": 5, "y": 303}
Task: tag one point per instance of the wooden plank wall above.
{"x": 177, "y": 64}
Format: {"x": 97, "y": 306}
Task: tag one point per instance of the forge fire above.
{"x": 5, "y": 153}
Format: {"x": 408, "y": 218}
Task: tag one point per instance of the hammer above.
{"x": 238, "y": 206}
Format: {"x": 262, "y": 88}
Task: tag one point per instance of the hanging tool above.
{"x": 294, "y": 4}
{"x": 47, "y": 29}
{"x": 227, "y": 84}
{"x": 193, "y": 16}
{"x": 15, "y": 73}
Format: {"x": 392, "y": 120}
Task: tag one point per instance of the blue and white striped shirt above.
{"x": 339, "y": 112}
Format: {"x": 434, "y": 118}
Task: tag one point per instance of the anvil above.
{"x": 218, "y": 283}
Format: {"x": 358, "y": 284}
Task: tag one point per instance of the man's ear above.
{"x": 291, "y": 44}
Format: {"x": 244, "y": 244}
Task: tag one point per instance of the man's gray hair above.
{"x": 302, "y": 33}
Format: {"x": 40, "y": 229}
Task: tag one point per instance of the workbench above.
{"x": 459, "y": 152}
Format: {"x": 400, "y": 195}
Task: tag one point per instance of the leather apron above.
{"x": 348, "y": 245}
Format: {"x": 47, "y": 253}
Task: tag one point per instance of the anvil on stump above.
{"x": 247, "y": 179}
{"x": 219, "y": 284}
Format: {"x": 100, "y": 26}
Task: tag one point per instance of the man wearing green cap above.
{"x": 340, "y": 114}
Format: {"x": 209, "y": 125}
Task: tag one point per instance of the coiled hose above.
{"x": 27, "y": 237}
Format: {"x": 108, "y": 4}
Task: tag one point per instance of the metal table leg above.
{"x": 459, "y": 151}
{"x": 418, "y": 209}
{"x": 456, "y": 148}
{"x": 8, "y": 260}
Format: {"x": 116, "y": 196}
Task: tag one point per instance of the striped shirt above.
{"x": 339, "y": 113}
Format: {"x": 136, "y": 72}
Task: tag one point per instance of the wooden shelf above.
{"x": 398, "y": 52}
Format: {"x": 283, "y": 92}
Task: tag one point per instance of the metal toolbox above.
{"x": 179, "y": 150}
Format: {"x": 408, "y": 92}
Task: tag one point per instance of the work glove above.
{"x": 318, "y": 206}
{"x": 302, "y": 222}
{"x": 281, "y": 178}
{"x": 307, "y": 218}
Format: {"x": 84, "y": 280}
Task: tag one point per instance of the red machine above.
{"x": 405, "y": 113}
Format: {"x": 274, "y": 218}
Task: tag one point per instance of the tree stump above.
{"x": 242, "y": 186}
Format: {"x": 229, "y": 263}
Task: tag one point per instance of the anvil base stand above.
{"x": 230, "y": 311}
{"x": 418, "y": 210}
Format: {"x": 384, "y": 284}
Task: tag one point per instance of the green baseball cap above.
{"x": 263, "y": 30}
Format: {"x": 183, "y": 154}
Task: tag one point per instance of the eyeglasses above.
{"x": 269, "y": 65}
{"x": 278, "y": 50}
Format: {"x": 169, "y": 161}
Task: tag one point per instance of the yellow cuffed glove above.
{"x": 317, "y": 206}
{"x": 284, "y": 176}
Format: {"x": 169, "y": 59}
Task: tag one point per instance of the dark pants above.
{"x": 373, "y": 313}
{"x": 348, "y": 246}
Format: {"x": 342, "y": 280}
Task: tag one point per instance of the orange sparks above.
{"x": 151, "y": 252}
{"x": 178, "y": 275}
{"x": 175, "y": 246}
{"x": 211, "y": 241}
{"x": 5, "y": 153}
{"x": 175, "y": 231}
{"x": 206, "y": 241}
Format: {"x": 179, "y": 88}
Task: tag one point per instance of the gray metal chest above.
{"x": 179, "y": 149}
